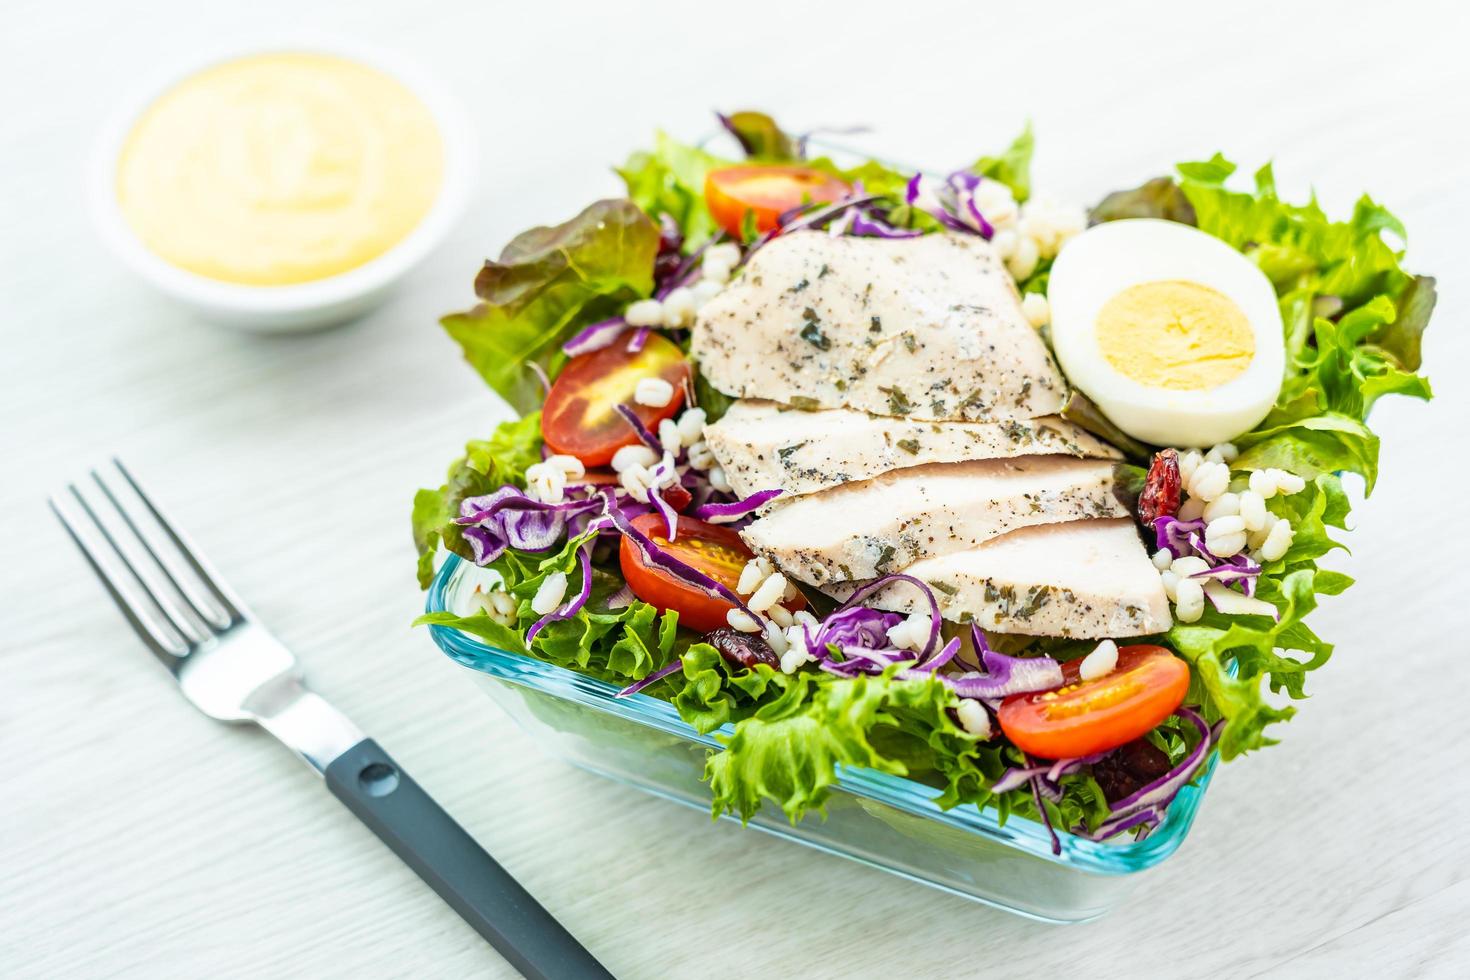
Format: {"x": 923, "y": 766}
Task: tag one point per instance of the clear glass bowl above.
{"x": 883, "y": 821}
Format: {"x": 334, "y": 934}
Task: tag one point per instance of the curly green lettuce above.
{"x": 1013, "y": 166}
{"x": 1354, "y": 322}
{"x": 669, "y": 179}
{"x": 486, "y": 464}
{"x": 618, "y": 643}
{"x": 1353, "y": 318}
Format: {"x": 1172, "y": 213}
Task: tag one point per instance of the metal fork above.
{"x": 232, "y": 669}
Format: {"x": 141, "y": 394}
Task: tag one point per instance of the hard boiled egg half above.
{"x": 1175, "y": 335}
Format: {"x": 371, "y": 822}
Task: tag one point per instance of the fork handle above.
{"x": 373, "y": 786}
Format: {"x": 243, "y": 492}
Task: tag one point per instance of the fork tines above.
{"x": 174, "y": 601}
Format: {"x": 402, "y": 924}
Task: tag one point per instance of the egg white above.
{"x": 1110, "y": 257}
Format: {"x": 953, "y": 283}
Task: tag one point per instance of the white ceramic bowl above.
{"x": 300, "y": 306}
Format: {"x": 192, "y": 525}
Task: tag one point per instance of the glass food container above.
{"x": 880, "y": 820}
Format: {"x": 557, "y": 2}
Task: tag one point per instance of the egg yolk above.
{"x": 1175, "y": 334}
{"x": 280, "y": 168}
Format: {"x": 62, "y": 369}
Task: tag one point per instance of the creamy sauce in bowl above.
{"x": 280, "y": 168}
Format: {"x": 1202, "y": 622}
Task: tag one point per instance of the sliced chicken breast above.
{"x": 762, "y": 445}
{"x": 1085, "y": 579}
{"x": 927, "y": 328}
{"x": 863, "y": 530}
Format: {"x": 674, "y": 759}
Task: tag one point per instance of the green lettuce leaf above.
{"x": 714, "y": 402}
{"x": 1354, "y": 320}
{"x": 1403, "y": 337}
{"x": 1013, "y": 166}
{"x": 1259, "y": 649}
{"x": 1262, "y": 650}
{"x": 485, "y": 465}
{"x": 1332, "y": 382}
{"x": 1083, "y": 412}
{"x": 760, "y": 137}
{"x": 1293, "y": 243}
{"x": 1158, "y": 198}
{"x": 788, "y": 749}
{"x": 616, "y": 645}
{"x": 493, "y": 632}
{"x": 1304, "y": 438}
{"x": 715, "y": 692}
{"x": 669, "y": 179}
{"x": 789, "y": 753}
{"x": 546, "y": 283}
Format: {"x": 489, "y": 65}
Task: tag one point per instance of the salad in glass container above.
{"x": 927, "y": 475}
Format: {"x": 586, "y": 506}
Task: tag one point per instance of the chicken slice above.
{"x": 863, "y": 530}
{"x": 762, "y": 445}
{"x": 1084, "y": 579}
{"x": 927, "y": 328}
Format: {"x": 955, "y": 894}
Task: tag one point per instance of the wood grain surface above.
{"x": 139, "y": 839}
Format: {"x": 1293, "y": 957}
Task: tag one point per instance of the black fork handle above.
{"x": 428, "y": 840}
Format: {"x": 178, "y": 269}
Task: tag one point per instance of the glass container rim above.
{"x": 904, "y": 794}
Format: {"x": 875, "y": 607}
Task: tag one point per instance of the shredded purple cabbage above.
{"x": 725, "y": 513}
{"x": 688, "y": 271}
{"x": 1143, "y": 819}
{"x": 852, "y": 626}
{"x": 508, "y": 518}
{"x": 862, "y": 660}
{"x": 807, "y": 216}
{"x": 1148, "y": 804}
{"x": 866, "y": 223}
{"x": 1182, "y": 538}
{"x": 666, "y": 511}
{"x": 666, "y": 670}
{"x": 1056, "y": 842}
{"x": 1172, "y": 534}
{"x": 950, "y": 200}
{"x": 1003, "y": 675}
{"x": 658, "y": 558}
{"x": 595, "y": 336}
{"x": 877, "y": 585}
{"x": 1051, "y": 772}
{"x": 540, "y": 373}
{"x": 641, "y": 430}
{"x": 942, "y": 658}
{"x": 1229, "y": 574}
{"x": 639, "y": 338}
{"x": 569, "y": 609}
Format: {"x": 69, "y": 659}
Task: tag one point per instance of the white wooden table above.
{"x": 139, "y": 839}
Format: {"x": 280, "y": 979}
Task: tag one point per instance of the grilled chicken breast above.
{"x": 1085, "y": 579}
{"x": 765, "y": 446}
{"x": 923, "y": 328}
{"x": 867, "y": 529}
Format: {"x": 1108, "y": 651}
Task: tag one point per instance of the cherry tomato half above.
{"x": 713, "y": 549}
{"x": 1082, "y": 717}
{"x": 580, "y": 416}
{"x": 767, "y": 191}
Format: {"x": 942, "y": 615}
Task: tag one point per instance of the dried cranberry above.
{"x": 676, "y": 497}
{"x": 665, "y": 266}
{"x": 1129, "y": 768}
{"x": 1160, "y": 496}
{"x": 670, "y": 246}
{"x": 742, "y": 649}
{"x": 670, "y": 235}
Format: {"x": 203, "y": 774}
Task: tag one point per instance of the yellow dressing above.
{"x": 280, "y": 168}
{"x": 1175, "y": 334}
